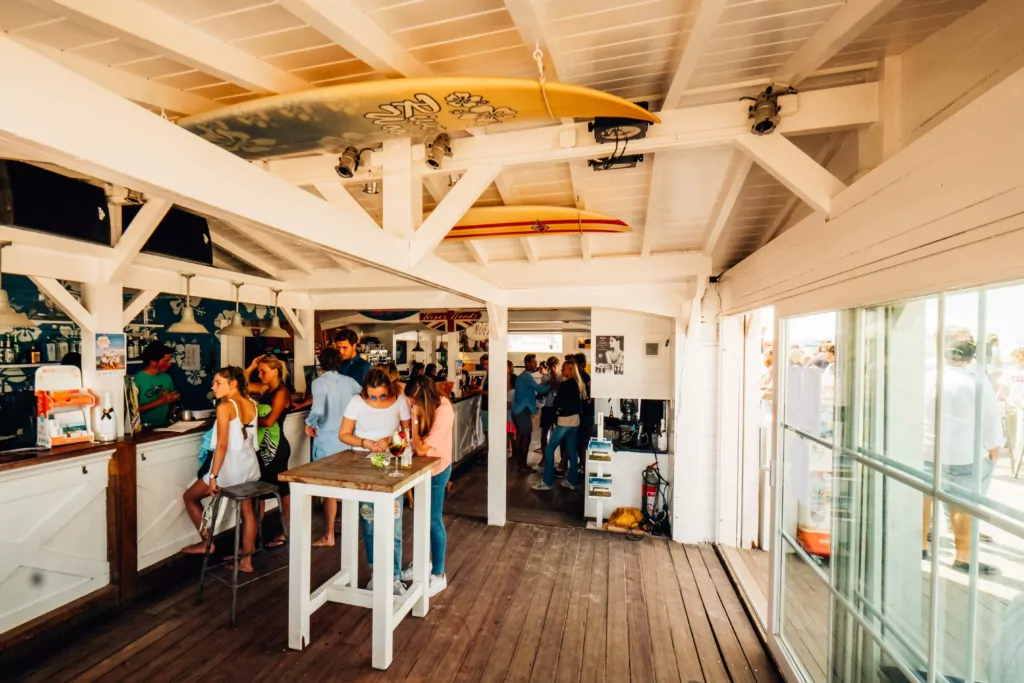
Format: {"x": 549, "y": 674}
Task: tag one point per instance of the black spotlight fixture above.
{"x": 613, "y": 162}
{"x": 348, "y": 163}
{"x": 617, "y": 128}
{"x": 765, "y": 110}
{"x": 438, "y": 148}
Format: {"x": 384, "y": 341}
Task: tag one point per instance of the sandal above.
{"x": 983, "y": 569}
{"x": 276, "y": 543}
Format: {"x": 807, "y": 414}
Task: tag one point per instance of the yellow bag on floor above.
{"x": 626, "y": 518}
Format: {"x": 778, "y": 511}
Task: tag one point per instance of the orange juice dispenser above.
{"x": 62, "y": 407}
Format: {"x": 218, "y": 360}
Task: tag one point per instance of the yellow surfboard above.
{"x": 524, "y": 221}
{"x": 363, "y": 114}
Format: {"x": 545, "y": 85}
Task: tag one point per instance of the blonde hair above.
{"x": 274, "y": 363}
{"x": 576, "y": 376}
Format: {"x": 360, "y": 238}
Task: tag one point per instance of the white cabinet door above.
{"x": 165, "y": 470}
{"x": 53, "y": 536}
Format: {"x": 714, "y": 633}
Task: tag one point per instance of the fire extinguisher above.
{"x": 649, "y": 488}
{"x": 654, "y": 500}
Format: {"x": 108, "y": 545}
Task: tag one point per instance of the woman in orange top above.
{"x": 433, "y": 423}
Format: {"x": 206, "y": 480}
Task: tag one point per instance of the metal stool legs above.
{"x": 236, "y": 559}
{"x": 209, "y": 542}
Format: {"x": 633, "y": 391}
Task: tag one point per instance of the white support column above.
{"x": 105, "y": 305}
{"x": 448, "y": 212}
{"x": 793, "y": 168}
{"x": 451, "y": 343}
{"x": 403, "y": 189}
{"x": 305, "y": 346}
{"x": 497, "y": 406}
{"x": 62, "y": 297}
{"x": 134, "y": 238}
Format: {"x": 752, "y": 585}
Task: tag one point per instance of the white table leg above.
{"x": 383, "y": 580}
{"x": 298, "y": 571}
{"x": 349, "y": 540}
{"x": 421, "y": 545}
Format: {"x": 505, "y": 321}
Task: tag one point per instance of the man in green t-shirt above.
{"x": 156, "y": 390}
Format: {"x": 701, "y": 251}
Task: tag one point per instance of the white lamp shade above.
{"x": 275, "y": 330}
{"x": 10, "y": 317}
{"x": 187, "y": 324}
{"x": 236, "y": 328}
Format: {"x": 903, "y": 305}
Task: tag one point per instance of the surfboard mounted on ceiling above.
{"x": 364, "y": 114}
{"x": 525, "y": 221}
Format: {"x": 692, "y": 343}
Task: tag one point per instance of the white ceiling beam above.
{"x": 655, "y": 191}
{"x": 664, "y": 299}
{"x": 477, "y": 250}
{"x": 343, "y": 22}
{"x": 586, "y": 247}
{"x": 141, "y": 24}
{"x": 530, "y": 249}
{"x": 125, "y": 84}
{"x": 822, "y": 158}
{"x": 815, "y": 111}
{"x": 244, "y": 254}
{"x": 293, "y": 320}
{"x": 406, "y": 299}
{"x": 848, "y": 22}
{"x": 137, "y": 304}
{"x": 788, "y": 164}
{"x": 726, "y": 202}
{"x": 164, "y": 274}
{"x": 277, "y": 246}
{"x": 444, "y": 217}
{"x": 578, "y": 173}
{"x": 530, "y": 19}
{"x": 135, "y": 237}
{"x": 403, "y": 187}
{"x": 558, "y": 272}
{"x": 700, "y": 35}
{"x": 69, "y": 304}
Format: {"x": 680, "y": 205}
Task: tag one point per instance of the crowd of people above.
{"x": 353, "y": 406}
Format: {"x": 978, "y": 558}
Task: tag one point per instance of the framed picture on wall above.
{"x": 610, "y": 355}
{"x": 401, "y": 353}
{"x": 582, "y": 343}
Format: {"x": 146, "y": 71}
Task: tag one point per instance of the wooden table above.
{"x": 349, "y": 477}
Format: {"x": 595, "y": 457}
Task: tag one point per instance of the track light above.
{"x": 438, "y": 148}
{"x": 370, "y": 188}
{"x": 348, "y": 162}
{"x": 765, "y": 110}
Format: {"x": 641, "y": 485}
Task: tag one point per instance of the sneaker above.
{"x": 399, "y": 588}
{"x": 408, "y": 574}
{"x": 567, "y": 485}
{"x": 983, "y": 569}
{"x": 541, "y": 486}
{"x": 437, "y": 584}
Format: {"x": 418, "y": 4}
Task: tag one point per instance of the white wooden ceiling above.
{"x": 632, "y": 49}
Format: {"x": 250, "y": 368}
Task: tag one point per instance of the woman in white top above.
{"x": 370, "y": 420}
{"x": 234, "y": 459}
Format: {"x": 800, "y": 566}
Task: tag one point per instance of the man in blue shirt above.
{"x": 352, "y": 364}
{"x": 524, "y": 406}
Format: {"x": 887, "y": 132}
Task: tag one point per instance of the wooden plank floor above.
{"x": 524, "y": 603}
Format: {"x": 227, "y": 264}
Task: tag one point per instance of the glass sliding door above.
{"x": 924, "y": 575}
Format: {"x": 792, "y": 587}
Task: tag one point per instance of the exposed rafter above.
{"x": 138, "y": 302}
{"x": 848, "y": 22}
{"x": 69, "y": 304}
{"x": 704, "y": 126}
{"x": 700, "y": 36}
{"x": 790, "y": 166}
{"x": 578, "y": 173}
{"x": 531, "y": 19}
{"x": 127, "y": 85}
{"x": 135, "y": 237}
{"x": 243, "y": 253}
{"x": 443, "y": 218}
{"x": 343, "y": 22}
{"x": 654, "y": 197}
{"x": 530, "y": 249}
{"x": 142, "y": 24}
{"x": 726, "y": 202}
{"x": 280, "y": 247}
{"x": 477, "y": 250}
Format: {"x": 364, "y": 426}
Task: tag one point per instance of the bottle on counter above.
{"x": 34, "y": 356}
{"x": 62, "y": 348}
{"x": 9, "y": 355}
{"x": 16, "y": 350}
{"x": 51, "y": 351}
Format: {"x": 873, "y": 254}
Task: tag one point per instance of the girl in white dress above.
{"x": 234, "y": 459}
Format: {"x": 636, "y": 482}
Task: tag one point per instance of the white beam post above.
{"x": 343, "y": 22}
{"x": 794, "y": 169}
{"x": 497, "y": 406}
{"x": 138, "y": 303}
{"x": 822, "y": 158}
{"x": 848, "y": 22}
{"x": 134, "y": 238}
{"x": 726, "y": 202}
{"x": 450, "y": 210}
{"x": 451, "y": 343}
{"x": 403, "y": 188}
{"x": 104, "y": 302}
{"x": 577, "y": 174}
{"x": 141, "y": 24}
{"x": 76, "y": 311}
{"x": 292, "y": 316}
{"x": 700, "y": 35}
{"x": 305, "y": 343}
{"x": 654, "y": 198}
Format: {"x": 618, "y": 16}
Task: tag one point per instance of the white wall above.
{"x": 644, "y": 376}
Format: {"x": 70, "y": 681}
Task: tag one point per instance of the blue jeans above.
{"x": 366, "y": 519}
{"x": 438, "y": 536}
{"x": 558, "y": 435}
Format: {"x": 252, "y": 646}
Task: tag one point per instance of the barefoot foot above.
{"x": 326, "y": 541}
{"x": 198, "y": 548}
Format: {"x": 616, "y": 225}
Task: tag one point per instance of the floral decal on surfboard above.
{"x": 422, "y": 110}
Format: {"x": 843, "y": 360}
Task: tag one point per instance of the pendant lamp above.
{"x": 236, "y": 328}
{"x": 188, "y": 324}
{"x": 417, "y": 348}
{"x": 8, "y": 316}
{"x": 275, "y": 330}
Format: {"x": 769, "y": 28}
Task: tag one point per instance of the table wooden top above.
{"x": 352, "y": 470}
